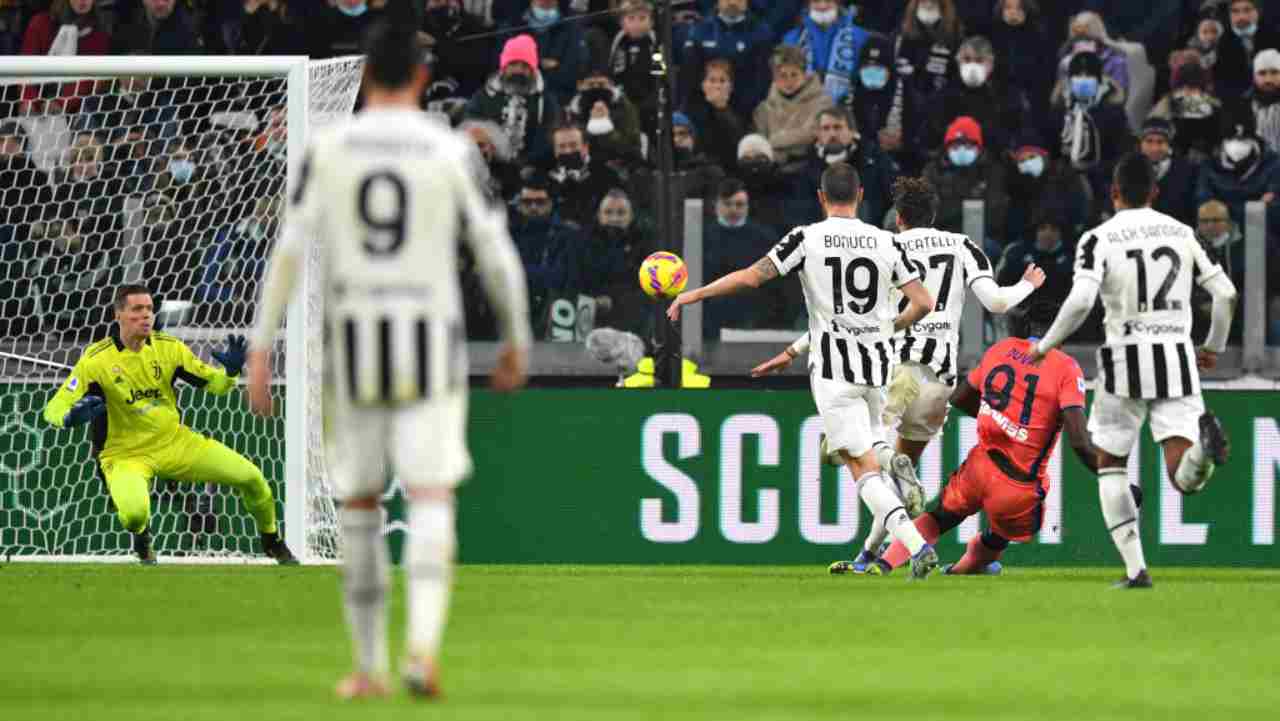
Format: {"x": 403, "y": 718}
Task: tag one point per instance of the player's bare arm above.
{"x": 1224, "y": 295}
{"x": 780, "y": 362}
{"x": 920, "y": 303}
{"x": 259, "y": 381}
{"x": 739, "y": 280}
{"x": 966, "y": 398}
{"x": 1076, "y": 426}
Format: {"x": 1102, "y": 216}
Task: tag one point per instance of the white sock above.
{"x": 366, "y": 576}
{"x": 877, "y": 492}
{"x": 875, "y": 537}
{"x": 884, "y": 455}
{"x": 1120, "y": 512}
{"x": 429, "y": 569}
{"x": 1194, "y": 469}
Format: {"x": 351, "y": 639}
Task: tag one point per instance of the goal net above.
{"x": 168, "y": 172}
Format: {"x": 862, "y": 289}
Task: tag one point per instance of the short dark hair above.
{"x": 1134, "y": 177}
{"x": 567, "y": 126}
{"x": 126, "y": 290}
{"x": 729, "y": 187}
{"x": 1031, "y": 319}
{"x": 915, "y": 201}
{"x": 840, "y": 183}
{"x": 391, "y": 53}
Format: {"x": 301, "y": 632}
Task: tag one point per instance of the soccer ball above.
{"x": 663, "y": 275}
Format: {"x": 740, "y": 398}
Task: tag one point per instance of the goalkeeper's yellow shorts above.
{"x": 916, "y": 403}
{"x": 189, "y": 458}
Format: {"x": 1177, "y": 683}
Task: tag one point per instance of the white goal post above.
{"x": 108, "y": 194}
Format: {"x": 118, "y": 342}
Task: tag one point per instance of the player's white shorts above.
{"x": 424, "y": 443}
{"x": 917, "y": 402}
{"x": 1114, "y": 421}
{"x": 851, "y": 414}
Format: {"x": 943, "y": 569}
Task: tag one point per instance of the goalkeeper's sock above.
{"x": 898, "y": 555}
{"x": 365, "y": 579}
{"x": 886, "y": 507}
{"x": 1120, "y": 511}
{"x": 429, "y": 568}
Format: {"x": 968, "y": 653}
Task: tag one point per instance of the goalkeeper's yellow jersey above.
{"x": 142, "y": 404}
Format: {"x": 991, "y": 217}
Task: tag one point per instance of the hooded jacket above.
{"x": 525, "y": 118}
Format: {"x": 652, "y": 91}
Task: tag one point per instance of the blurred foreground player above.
{"x": 1021, "y": 406}
{"x": 387, "y": 197}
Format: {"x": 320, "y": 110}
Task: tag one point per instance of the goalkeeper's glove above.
{"x": 232, "y": 359}
{"x": 85, "y": 409}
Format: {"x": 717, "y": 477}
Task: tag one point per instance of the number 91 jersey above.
{"x": 948, "y": 263}
{"x": 849, "y": 270}
{"x": 1144, "y": 263}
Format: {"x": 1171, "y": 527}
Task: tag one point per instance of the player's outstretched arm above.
{"x": 69, "y": 406}
{"x": 218, "y": 381}
{"x": 1000, "y": 298}
{"x": 966, "y": 398}
{"x": 919, "y": 304}
{"x": 1073, "y": 421}
{"x": 757, "y": 275}
{"x": 780, "y": 362}
{"x": 1224, "y": 296}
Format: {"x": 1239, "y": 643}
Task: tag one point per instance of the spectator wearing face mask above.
{"x": 885, "y": 107}
{"x": 1176, "y": 176}
{"x": 927, "y": 42}
{"x": 965, "y": 170}
{"x": 736, "y": 35}
{"x": 765, "y": 183}
{"x": 1088, "y": 34}
{"x": 616, "y": 245}
{"x": 831, "y": 42}
{"x": 611, "y": 121}
{"x": 735, "y": 241}
{"x": 542, "y": 240}
{"x": 577, "y": 179}
{"x": 500, "y": 177}
{"x": 1039, "y": 181}
{"x": 1092, "y": 128}
{"x": 562, "y": 47}
{"x": 697, "y": 174}
{"x": 335, "y": 27}
{"x": 1205, "y": 40}
{"x": 998, "y": 110}
{"x": 838, "y": 140}
{"x": 1245, "y": 37}
{"x": 1047, "y": 243}
{"x": 1193, "y": 110}
{"x": 1242, "y": 169}
{"x": 1263, "y": 99}
{"x": 517, "y": 100}
{"x": 786, "y": 118}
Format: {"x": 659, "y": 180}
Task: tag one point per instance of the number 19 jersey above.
{"x": 948, "y": 263}
{"x": 1144, "y": 263}
{"x": 849, "y": 269}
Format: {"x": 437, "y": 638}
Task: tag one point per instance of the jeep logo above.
{"x": 136, "y": 395}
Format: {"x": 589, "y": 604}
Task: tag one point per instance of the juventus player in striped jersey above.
{"x": 849, "y": 269}
{"x": 1143, "y": 263}
{"x": 387, "y": 198}
{"x": 923, "y": 381}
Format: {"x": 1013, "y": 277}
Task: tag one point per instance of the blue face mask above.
{"x": 1247, "y": 31}
{"x": 963, "y": 156}
{"x": 728, "y": 223}
{"x": 543, "y": 17}
{"x": 1033, "y": 166}
{"x": 874, "y": 77}
{"x": 1084, "y": 88}
{"x": 182, "y": 170}
{"x": 355, "y": 11}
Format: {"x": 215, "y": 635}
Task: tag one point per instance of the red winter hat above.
{"x": 521, "y": 48}
{"x": 964, "y": 128}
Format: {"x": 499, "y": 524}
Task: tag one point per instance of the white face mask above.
{"x": 824, "y": 17}
{"x": 1033, "y": 166}
{"x": 1237, "y": 150}
{"x": 928, "y": 15}
{"x": 600, "y": 126}
{"x": 973, "y": 74}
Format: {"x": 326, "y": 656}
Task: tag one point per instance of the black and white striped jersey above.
{"x": 849, "y": 269}
{"x": 949, "y": 263}
{"x": 1144, "y": 263}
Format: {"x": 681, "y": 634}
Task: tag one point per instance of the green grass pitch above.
{"x": 604, "y": 643}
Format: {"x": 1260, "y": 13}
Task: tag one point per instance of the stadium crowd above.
{"x": 1023, "y": 104}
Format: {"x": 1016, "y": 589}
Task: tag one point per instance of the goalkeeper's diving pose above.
{"x": 123, "y": 386}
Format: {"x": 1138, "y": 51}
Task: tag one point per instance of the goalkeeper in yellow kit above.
{"x": 123, "y": 386}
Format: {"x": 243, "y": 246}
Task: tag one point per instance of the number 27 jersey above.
{"x": 849, "y": 269}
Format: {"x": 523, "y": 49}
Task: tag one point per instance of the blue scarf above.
{"x": 840, "y": 44}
